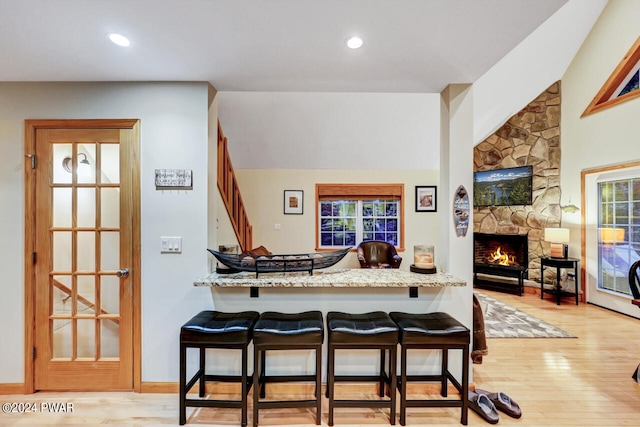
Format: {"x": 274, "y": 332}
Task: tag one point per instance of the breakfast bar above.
{"x": 333, "y": 278}
{"x": 352, "y": 290}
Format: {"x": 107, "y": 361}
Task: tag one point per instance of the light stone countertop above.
{"x": 339, "y": 278}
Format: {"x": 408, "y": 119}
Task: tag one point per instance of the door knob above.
{"x": 123, "y": 272}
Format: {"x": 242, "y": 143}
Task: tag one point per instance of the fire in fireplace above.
{"x": 501, "y": 258}
{"x": 505, "y": 255}
{"x": 500, "y": 249}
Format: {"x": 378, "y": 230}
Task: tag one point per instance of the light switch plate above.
{"x": 170, "y": 245}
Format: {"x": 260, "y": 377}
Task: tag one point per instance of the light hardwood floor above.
{"x": 557, "y": 382}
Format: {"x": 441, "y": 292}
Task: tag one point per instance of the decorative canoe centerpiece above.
{"x": 273, "y": 263}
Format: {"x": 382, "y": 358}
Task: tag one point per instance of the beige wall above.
{"x": 605, "y": 138}
{"x": 263, "y": 192}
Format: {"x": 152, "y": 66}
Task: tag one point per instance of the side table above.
{"x": 559, "y": 263}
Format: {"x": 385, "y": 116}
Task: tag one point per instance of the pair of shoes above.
{"x": 503, "y": 402}
{"x": 483, "y": 406}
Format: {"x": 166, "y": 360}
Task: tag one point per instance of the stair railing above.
{"x": 230, "y": 193}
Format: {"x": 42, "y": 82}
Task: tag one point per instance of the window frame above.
{"x": 360, "y": 192}
{"x": 611, "y": 222}
{"x": 605, "y": 98}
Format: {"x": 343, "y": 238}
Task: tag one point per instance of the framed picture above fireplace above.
{"x": 503, "y": 187}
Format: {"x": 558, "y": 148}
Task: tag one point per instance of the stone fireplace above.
{"x": 530, "y": 137}
{"x": 504, "y": 255}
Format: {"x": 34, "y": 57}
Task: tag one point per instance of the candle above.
{"x": 423, "y": 260}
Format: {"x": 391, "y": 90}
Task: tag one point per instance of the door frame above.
{"x": 589, "y": 270}
{"x": 31, "y": 126}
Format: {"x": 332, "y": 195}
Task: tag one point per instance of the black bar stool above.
{"x": 215, "y": 330}
{"x": 284, "y": 331}
{"x": 368, "y": 331}
{"x": 437, "y": 331}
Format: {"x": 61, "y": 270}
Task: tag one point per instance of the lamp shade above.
{"x": 556, "y": 235}
{"x": 611, "y": 235}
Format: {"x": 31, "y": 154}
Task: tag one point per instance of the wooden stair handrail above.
{"x": 230, "y": 193}
{"x": 67, "y": 290}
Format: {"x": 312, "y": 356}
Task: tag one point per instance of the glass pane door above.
{"x": 85, "y": 236}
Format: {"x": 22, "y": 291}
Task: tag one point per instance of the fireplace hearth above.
{"x": 503, "y": 255}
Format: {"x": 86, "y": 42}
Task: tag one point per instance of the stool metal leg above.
{"x": 403, "y": 385}
{"x": 318, "y": 393}
{"x": 256, "y": 384}
{"x": 202, "y": 369}
{"x": 244, "y": 386}
{"x": 393, "y": 351}
{"x": 329, "y": 361}
{"x": 183, "y": 384}
{"x": 331, "y": 381}
{"x": 263, "y": 370}
{"x": 445, "y": 370}
{"x": 382, "y": 367}
{"x": 465, "y": 385}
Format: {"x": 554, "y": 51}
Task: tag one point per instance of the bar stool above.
{"x": 437, "y": 331}
{"x": 286, "y": 331}
{"x": 366, "y": 331}
{"x": 215, "y": 330}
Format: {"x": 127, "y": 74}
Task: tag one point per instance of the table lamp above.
{"x": 558, "y": 237}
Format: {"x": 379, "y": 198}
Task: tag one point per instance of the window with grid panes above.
{"x": 350, "y": 214}
{"x": 618, "y": 232}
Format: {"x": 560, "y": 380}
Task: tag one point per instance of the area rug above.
{"x": 504, "y": 321}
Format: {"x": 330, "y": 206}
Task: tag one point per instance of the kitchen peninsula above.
{"x": 348, "y": 290}
{"x": 337, "y": 278}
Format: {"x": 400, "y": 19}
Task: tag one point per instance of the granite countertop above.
{"x": 352, "y": 278}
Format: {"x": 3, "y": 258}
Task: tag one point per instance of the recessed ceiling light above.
{"x": 118, "y": 39}
{"x": 354, "y": 42}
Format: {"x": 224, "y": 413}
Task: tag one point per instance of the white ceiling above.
{"x": 266, "y": 45}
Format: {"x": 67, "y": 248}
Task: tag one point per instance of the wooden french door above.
{"x": 84, "y": 262}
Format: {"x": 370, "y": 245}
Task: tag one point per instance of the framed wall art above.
{"x": 426, "y": 198}
{"x": 293, "y": 202}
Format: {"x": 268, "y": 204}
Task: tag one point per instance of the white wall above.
{"x": 532, "y": 66}
{"x": 604, "y": 138}
{"x": 173, "y": 135}
{"x": 291, "y": 141}
{"x": 294, "y": 130}
{"x": 456, "y": 171}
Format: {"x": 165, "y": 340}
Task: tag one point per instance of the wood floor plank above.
{"x": 584, "y": 381}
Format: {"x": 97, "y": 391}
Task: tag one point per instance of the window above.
{"x": 622, "y": 85}
{"x": 618, "y": 232}
{"x": 348, "y": 214}
{"x": 632, "y": 83}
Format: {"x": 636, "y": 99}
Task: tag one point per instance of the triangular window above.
{"x": 631, "y": 84}
{"x": 622, "y": 85}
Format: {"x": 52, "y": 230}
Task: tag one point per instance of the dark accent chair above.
{"x": 378, "y": 254}
{"x": 634, "y": 282}
{"x": 634, "y": 286}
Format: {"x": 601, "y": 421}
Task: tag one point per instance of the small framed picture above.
{"x": 426, "y": 198}
{"x": 293, "y": 202}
